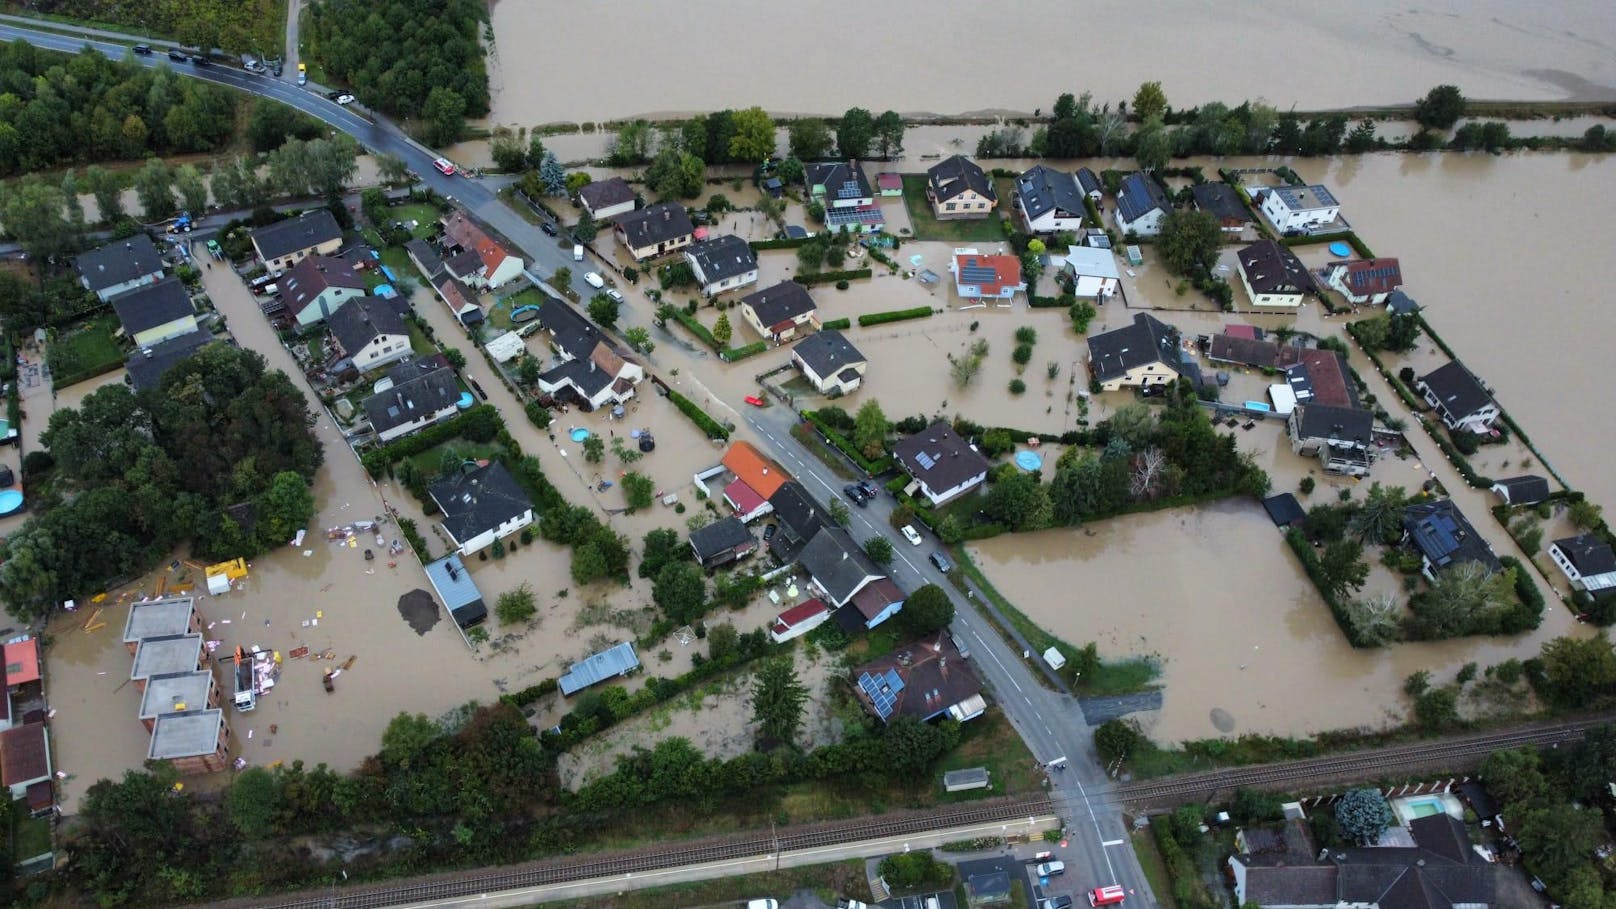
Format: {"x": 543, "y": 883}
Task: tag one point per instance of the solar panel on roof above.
{"x": 978, "y": 274}
{"x": 894, "y": 681}
{"x": 925, "y": 461}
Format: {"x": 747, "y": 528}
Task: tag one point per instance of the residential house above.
{"x": 1587, "y": 561}
{"x": 317, "y": 286}
{"x": 428, "y": 261}
{"x": 1459, "y": 398}
{"x": 1365, "y": 281}
{"x": 1049, "y": 201}
{"x": 611, "y": 663}
{"x": 21, "y": 657}
{"x": 481, "y": 506}
{"x": 798, "y": 516}
{"x": 723, "y": 541}
{"x": 927, "y": 680}
{"x": 156, "y": 312}
{"x": 782, "y": 312}
{"x": 286, "y": 243}
{"x": 1223, "y": 202}
{"x": 194, "y": 741}
{"x": 841, "y": 187}
{"x": 873, "y": 604}
{"x": 1093, "y": 272}
{"x": 120, "y": 266}
{"x": 146, "y": 366}
{"x": 1401, "y": 304}
{"x": 419, "y": 393}
{"x": 1142, "y": 206}
{"x": 943, "y": 465}
{"x": 459, "y": 593}
{"x": 1137, "y": 355}
{"x": 1298, "y": 209}
{"x": 799, "y": 620}
{"x": 957, "y": 188}
{"x": 1272, "y": 275}
{"x": 463, "y": 265}
{"x": 25, "y": 763}
{"x": 1343, "y": 438}
{"x": 592, "y": 370}
{"x": 166, "y": 654}
{"x": 1090, "y": 184}
{"x": 1441, "y": 871}
{"x": 986, "y": 277}
{"x": 830, "y": 362}
{"x": 1243, "y": 350}
{"x": 175, "y": 692}
{"x": 722, "y": 263}
{"x": 837, "y": 567}
{"x": 655, "y": 231}
{"x": 1523, "y": 490}
{"x": 1319, "y": 376}
{"x": 370, "y": 333}
{"x": 607, "y": 198}
{"x": 460, "y": 299}
{"x": 756, "y": 481}
{"x": 165, "y": 617}
{"x": 498, "y": 264}
{"x": 1444, "y": 537}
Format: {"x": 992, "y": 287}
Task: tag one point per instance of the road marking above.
{"x": 909, "y": 563}
{"x": 1008, "y": 674}
{"x": 1113, "y": 842}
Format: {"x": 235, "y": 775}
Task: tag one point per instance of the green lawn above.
{"x": 419, "y": 343}
{"x": 430, "y": 462}
{"x": 1150, "y": 861}
{"x": 927, "y": 227}
{"x": 990, "y": 741}
{"x": 845, "y": 878}
{"x": 398, "y": 260}
{"x": 30, "y": 836}
{"x": 84, "y": 352}
{"x": 499, "y": 315}
{"x": 425, "y": 215}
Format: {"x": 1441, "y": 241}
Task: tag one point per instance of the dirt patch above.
{"x": 419, "y": 609}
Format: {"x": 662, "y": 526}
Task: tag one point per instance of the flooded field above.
{"x": 1492, "y": 49}
{"x": 1174, "y": 584}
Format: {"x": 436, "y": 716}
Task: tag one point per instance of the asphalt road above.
{"x": 1098, "y": 851}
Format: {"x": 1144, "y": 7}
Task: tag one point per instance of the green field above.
{"x": 927, "y": 227}
{"x": 84, "y": 352}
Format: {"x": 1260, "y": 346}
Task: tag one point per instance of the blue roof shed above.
{"x": 618, "y": 661}
{"x": 457, "y": 590}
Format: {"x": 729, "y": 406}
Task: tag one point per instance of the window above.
{"x": 949, "y": 207}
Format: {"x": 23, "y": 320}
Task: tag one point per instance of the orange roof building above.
{"x": 750, "y": 467}
{"x": 22, "y": 662}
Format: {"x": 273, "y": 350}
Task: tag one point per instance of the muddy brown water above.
{"x": 1493, "y": 49}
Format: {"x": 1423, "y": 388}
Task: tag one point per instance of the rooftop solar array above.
{"x": 925, "y": 460}
{"x": 882, "y": 691}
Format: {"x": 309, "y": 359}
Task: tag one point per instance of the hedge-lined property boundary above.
{"x": 846, "y": 447}
{"x": 713, "y": 428}
{"x": 837, "y": 325}
{"x": 896, "y": 315}
{"x": 829, "y": 277}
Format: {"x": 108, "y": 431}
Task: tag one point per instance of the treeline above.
{"x": 220, "y": 455}
{"x": 410, "y": 58}
{"x": 57, "y": 110}
{"x": 232, "y": 25}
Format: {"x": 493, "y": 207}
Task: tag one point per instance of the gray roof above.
{"x": 1440, "y": 872}
{"x": 1088, "y": 182}
{"x": 1399, "y": 303}
{"x": 836, "y": 564}
{"x": 606, "y": 193}
{"x": 582, "y": 372}
{"x": 174, "y": 691}
{"x": 465, "y": 263}
{"x": 1324, "y": 421}
{"x": 574, "y": 334}
{"x": 158, "y": 618}
{"x": 1524, "y": 490}
{"x": 939, "y": 457}
{"x": 1221, "y": 200}
{"x": 781, "y": 303}
{"x": 1291, "y": 885}
{"x": 426, "y": 256}
{"x": 828, "y": 351}
{"x": 314, "y": 276}
{"x": 457, "y": 590}
{"x": 1147, "y": 340}
{"x": 148, "y": 366}
{"x": 1272, "y": 268}
{"x": 1044, "y": 189}
{"x": 1301, "y": 198}
{"x": 1445, "y": 537}
{"x": 153, "y": 305}
{"x": 843, "y": 181}
{"x": 655, "y": 224}
{"x": 311, "y": 228}
{"x": 1588, "y": 553}
{"x": 1139, "y": 195}
{"x": 420, "y": 388}
{"x": 479, "y": 500}
{"x": 1457, "y": 389}
{"x": 166, "y": 654}
{"x": 799, "y": 515}
{"x": 119, "y": 262}
{"x": 720, "y": 536}
{"x": 362, "y": 320}
{"x": 952, "y": 176}
{"x": 186, "y": 734}
{"x": 722, "y": 257}
{"x": 610, "y": 663}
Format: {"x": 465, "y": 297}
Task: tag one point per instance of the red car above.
{"x": 754, "y": 400}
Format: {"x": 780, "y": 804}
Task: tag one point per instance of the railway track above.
{"x": 580, "y": 868}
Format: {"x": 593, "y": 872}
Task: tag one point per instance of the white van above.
{"x": 594, "y": 280}
{"x": 577, "y": 252}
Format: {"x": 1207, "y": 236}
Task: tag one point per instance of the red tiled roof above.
{"x": 745, "y": 499}
{"x": 22, "y": 662}
{"x": 1367, "y": 277}
{"x": 463, "y": 232}
{"x": 889, "y": 181}
{"x": 751, "y": 467}
{"x": 800, "y": 613}
{"x": 1006, "y": 271}
{"x": 1241, "y": 331}
{"x": 23, "y": 754}
{"x": 1324, "y": 372}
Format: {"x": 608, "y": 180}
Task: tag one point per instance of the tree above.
{"x": 1190, "y": 241}
{"x": 391, "y": 168}
{"x": 638, "y": 490}
{"x": 1250, "y": 806}
{"x": 927, "y": 609}
{"x": 870, "y": 429}
{"x": 1149, "y": 470}
{"x": 676, "y": 173}
{"x": 585, "y": 230}
{"x": 33, "y": 212}
{"x": 839, "y": 515}
{"x": 1362, "y": 137}
{"x": 603, "y": 310}
{"x": 889, "y": 133}
{"x": 1372, "y": 620}
{"x": 515, "y": 606}
{"x": 1557, "y": 838}
{"x": 661, "y": 546}
{"x": 253, "y": 801}
{"x": 854, "y": 132}
{"x": 1515, "y": 777}
{"x": 1115, "y": 739}
{"x": 443, "y": 115}
{"x": 1149, "y": 102}
{"x": 1153, "y": 147}
{"x": 790, "y": 171}
{"x": 594, "y": 449}
{"x": 154, "y": 187}
{"x": 285, "y": 507}
{"x": 753, "y": 139}
{"x": 680, "y": 591}
{"x": 1019, "y": 502}
{"x": 1591, "y": 764}
{"x": 777, "y": 701}
{"x": 639, "y": 338}
{"x": 108, "y": 192}
{"x": 1437, "y": 709}
{"x": 879, "y": 549}
{"x": 1363, "y": 815}
{"x": 1584, "y": 514}
{"x": 1380, "y": 518}
{"x": 1133, "y": 423}
{"x": 193, "y": 191}
{"x": 1440, "y": 108}
{"x": 1466, "y": 598}
{"x": 722, "y": 331}
{"x": 1578, "y": 672}
{"x": 1342, "y": 568}
{"x": 553, "y": 175}
{"x": 406, "y": 739}
{"x": 809, "y": 138}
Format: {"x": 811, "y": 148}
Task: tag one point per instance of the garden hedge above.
{"x": 735, "y": 354}
{"x": 896, "y": 315}
{"x": 837, "y": 325}
{"x": 713, "y": 428}
{"x": 830, "y": 277}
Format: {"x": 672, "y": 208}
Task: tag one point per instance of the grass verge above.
{"x": 989, "y": 741}
{"x": 1150, "y": 861}
{"x": 828, "y": 881}
{"x": 830, "y": 458}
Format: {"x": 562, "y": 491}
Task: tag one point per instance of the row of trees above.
{"x": 243, "y": 26}
{"x": 858, "y": 134}
{"x": 724, "y": 137}
{"x": 221, "y": 455}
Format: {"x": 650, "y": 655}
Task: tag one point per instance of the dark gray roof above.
{"x": 426, "y": 255}
{"x": 938, "y": 456}
{"x": 782, "y": 302}
{"x": 363, "y": 319}
{"x": 836, "y": 563}
{"x": 720, "y": 536}
{"x": 1525, "y": 490}
{"x": 464, "y": 263}
{"x": 313, "y": 276}
{"x": 1222, "y": 200}
{"x": 1324, "y": 421}
{"x": 655, "y": 224}
{"x": 582, "y": 372}
{"x": 843, "y": 181}
{"x": 606, "y": 193}
{"x": 1272, "y": 268}
{"x": 1445, "y": 537}
{"x": 573, "y": 333}
{"x": 479, "y": 500}
{"x": 1292, "y": 885}
{"x": 1044, "y": 189}
{"x": 1139, "y": 195}
{"x": 148, "y": 366}
{"x": 119, "y": 261}
{"x": 722, "y": 257}
{"x": 153, "y": 305}
{"x": 827, "y": 351}
{"x": 1089, "y": 183}
{"x": 420, "y": 388}
{"x": 308, "y": 229}
{"x": 1284, "y": 510}
{"x": 1588, "y": 554}
{"x": 1440, "y": 872}
{"x": 1457, "y": 389}
{"x": 1249, "y": 351}
{"x": 1147, "y": 340}
{"x": 1399, "y": 303}
{"x": 952, "y": 176}
{"x": 796, "y": 510}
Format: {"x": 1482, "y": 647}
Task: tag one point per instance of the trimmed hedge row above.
{"x": 845, "y": 446}
{"x": 837, "y": 325}
{"x": 1351, "y": 238}
{"x": 735, "y": 354}
{"x": 783, "y": 243}
{"x": 1525, "y": 590}
{"x": 829, "y": 277}
{"x": 531, "y": 693}
{"x": 896, "y": 315}
{"x": 713, "y": 428}
{"x": 690, "y": 322}
{"x": 1037, "y": 302}
{"x": 482, "y": 420}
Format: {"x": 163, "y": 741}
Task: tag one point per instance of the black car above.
{"x": 200, "y": 60}
{"x": 855, "y": 492}
{"x": 179, "y": 56}
{"x": 142, "y": 50}
{"x": 769, "y": 531}
{"x": 277, "y": 69}
{"x": 333, "y": 95}
{"x": 1058, "y": 902}
{"x": 870, "y": 489}
{"x": 548, "y": 228}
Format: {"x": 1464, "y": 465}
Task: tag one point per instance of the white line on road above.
{"x": 1008, "y": 674}
{"x": 1113, "y": 842}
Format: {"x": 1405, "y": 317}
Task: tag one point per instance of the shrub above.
{"x": 1022, "y": 355}
{"x": 897, "y": 315}
{"x": 516, "y": 605}
{"x": 705, "y": 423}
{"x": 831, "y": 277}
{"x": 1017, "y": 386}
{"x": 538, "y": 414}
{"x": 838, "y": 325}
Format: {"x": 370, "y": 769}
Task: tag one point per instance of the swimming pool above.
{"x": 1425, "y": 808}
{"x": 10, "y": 501}
{"x": 579, "y": 434}
{"x": 1341, "y": 249}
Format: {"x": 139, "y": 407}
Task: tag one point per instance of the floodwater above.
{"x": 1172, "y": 585}
{"x": 1491, "y": 49}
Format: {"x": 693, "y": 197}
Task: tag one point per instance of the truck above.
{"x": 246, "y": 696}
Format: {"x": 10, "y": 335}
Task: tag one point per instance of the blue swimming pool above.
{"x": 1341, "y": 249}
{"x": 10, "y": 501}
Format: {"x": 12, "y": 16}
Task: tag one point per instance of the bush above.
{"x": 705, "y": 423}
{"x": 841, "y": 285}
{"x": 516, "y": 605}
{"x": 538, "y": 414}
{"x": 897, "y": 315}
{"x": 1116, "y": 739}
{"x": 831, "y": 277}
{"x": 916, "y": 870}
{"x": 1017, "y": 386}
{"x": 837, "y": 325}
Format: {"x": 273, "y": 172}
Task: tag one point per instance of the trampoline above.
{"x": 1029, "y": 460}
{"x": 579, "y": 434}
{"x": 10, "y": 501}
{"x": 1340, "y": 249}
{"x": 466, "y": 400}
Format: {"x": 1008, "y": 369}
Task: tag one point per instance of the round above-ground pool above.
{"x": 466, "y": 400}
{"x": 1339, "y": 248}
{"x": 1029, "y": 460}
{"x": 579, "y": 434}
{"x": 10, "y": 501}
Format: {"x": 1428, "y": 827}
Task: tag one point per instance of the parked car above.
{"x": 941, "y": 561}
{"x": 142, "y": 49}
{"x": 1105, "y": 896}
{"x": 763, "y": 904}
{"x": 178, "y": 56}
{"x": 913, "y": 536}
{"x": 855, "y": 493}
{"x": 1058, "y": 902}
{"x": 870, "y": 489}
{"x": 345, "y": 99}
{"x": 277, "y": 68}
{"x": 843, "y": 902}
{"x": 548, "y": 228}
{"x": 334, "y": 94}
{"x": 477, "y": 387}
{"x": 302, "y": 74}
{"x": 769, "y": 530}
{"x": 1049, "y": 869}
{"x": 201, "y": 60}
{"x": 593, "y": 279}
{"x": 577, "y": 252}
{"x": 615, "y": 294}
